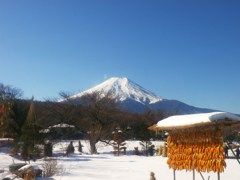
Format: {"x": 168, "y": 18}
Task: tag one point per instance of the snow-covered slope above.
{"x": 133, "y": 98}
{"x": 122, "y": 89}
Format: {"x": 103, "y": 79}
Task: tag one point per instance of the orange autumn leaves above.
{"x": 4, "y": 111}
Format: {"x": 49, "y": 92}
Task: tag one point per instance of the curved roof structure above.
{"x": 193, "y": 120}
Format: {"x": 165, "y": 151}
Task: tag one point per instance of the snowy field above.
{"x": 125, "y": 167}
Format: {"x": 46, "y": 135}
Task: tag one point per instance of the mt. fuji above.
{"x": 132, "y": 97}
{"x": 122, "y": 89}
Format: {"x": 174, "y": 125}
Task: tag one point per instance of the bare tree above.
{"x": 60, "y": 111}
{"x": 96, "y": 116}
{"x": 8, "y": 93}
{"x": 100, "y": 118}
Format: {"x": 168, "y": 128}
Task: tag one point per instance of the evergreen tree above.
{"x": 119, "y": 143}
{"x": 30, "y": 135}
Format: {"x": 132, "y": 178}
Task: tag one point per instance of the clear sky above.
{"x": 184, "y": 50}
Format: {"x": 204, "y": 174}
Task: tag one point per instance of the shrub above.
{"x": 70, "y": 149}
{"x": 51, "y": 167}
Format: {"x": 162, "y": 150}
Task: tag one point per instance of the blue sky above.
{"x": 184, "y": 50}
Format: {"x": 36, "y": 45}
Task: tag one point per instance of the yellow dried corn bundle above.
{"x": 200, "y": 150}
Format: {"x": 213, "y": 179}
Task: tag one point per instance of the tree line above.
{"x": 95, "y": 117}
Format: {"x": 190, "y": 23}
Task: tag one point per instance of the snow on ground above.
{"x": 125, "y": 167}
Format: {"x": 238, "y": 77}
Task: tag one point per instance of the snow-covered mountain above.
{"x": 134, "y": 98}
{"x": 123, "y": 89}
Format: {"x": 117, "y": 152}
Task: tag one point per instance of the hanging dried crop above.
{"x": 199, "y": 150}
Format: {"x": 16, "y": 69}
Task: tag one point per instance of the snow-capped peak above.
{"x": 122, "y": 89}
